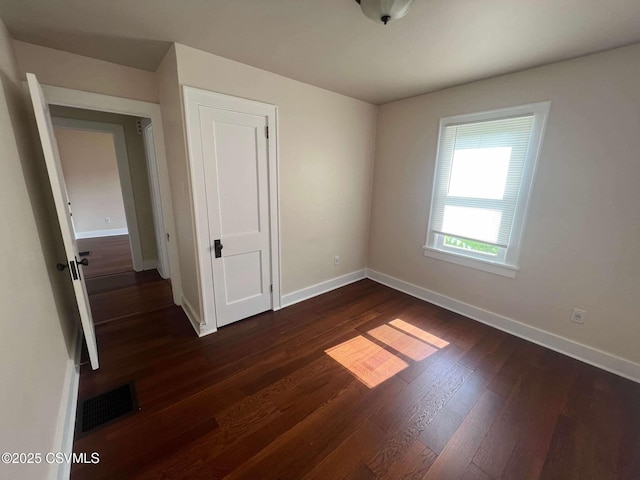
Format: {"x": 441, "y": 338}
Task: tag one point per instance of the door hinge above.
{"x": 168, "y": 237}
{"x": 266, "y": 131}
{"x": 271, "y": 289}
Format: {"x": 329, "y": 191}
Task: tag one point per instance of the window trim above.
{"x": 433, "y": 243}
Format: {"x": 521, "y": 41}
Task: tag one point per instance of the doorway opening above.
{"x": 42, "y": 98}
{"x": 109, "y": 167}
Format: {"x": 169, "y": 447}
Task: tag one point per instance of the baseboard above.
{"x": 320, "y": 288}
{"x": 207, "y": 330}
{"x": 102, "y": 233}
{"x": 200, "y": 328}
{"x": 150, "y": 264}
{"x": 67, "y": 415}
{"x": 593, "y": 356}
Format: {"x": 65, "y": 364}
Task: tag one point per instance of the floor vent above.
{"x": 106, "y": 408}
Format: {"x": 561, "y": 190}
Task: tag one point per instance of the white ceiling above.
{"x": 330, "y": 43}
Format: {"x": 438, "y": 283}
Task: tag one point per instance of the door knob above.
{"x": 61, "y": 266}
{"x": 217, "y": 247}
{"x": 84, "y": 261}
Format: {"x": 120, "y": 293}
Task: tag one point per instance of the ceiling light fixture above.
{"x": 385, "y": 11}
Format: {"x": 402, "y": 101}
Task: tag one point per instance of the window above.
{"x": 483, "y": 176}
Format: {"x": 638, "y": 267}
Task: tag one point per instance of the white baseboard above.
{"x": 207, "y": 330}
{"x": 593, "y": 356}
{"x": 320, "y": 288}
{"x": 200, "y": 328}
{"x": 102, "y": 233}
{"x": 67, "y": 415}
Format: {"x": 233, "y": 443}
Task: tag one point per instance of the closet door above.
{"x": 230, "y": 150}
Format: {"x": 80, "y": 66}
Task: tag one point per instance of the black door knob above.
{"x": 61, "y": 266}
{"x": 84, "y": 261}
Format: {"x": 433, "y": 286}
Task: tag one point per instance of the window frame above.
{"x": 506, "y": 262}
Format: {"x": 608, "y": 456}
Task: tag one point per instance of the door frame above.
{"x": 193, "y": 98}
{"x": 156, "y": 198}
{"x": 124, "y": 174}
{"x": 67, "y": 97}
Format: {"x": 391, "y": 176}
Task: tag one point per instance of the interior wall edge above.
{"x": 194, "y": 318}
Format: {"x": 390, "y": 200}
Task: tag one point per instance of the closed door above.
{"x": 235, "y": 159}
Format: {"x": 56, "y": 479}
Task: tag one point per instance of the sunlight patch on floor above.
{"x": 372, "y": 364}
{"x": 419, "y": 333}
{"x": 403, "y": 343}
{"x": 369, "y": 362}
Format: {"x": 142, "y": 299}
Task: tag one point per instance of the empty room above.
{"x": 356, "y": 239}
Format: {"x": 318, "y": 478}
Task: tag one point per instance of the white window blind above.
{"x": 480, "y": 169}
{"x": 483, "y": 177}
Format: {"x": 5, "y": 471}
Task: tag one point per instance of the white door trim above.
{"x": 156, "y": 199}
{"x": 194, "y": 97}
{"x": 126, "y": 186}
{"x": 105, "y": 103}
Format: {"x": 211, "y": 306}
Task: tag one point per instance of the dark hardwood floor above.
{"x": 108, "y": 255}
{"x": 115, "y": 290}
{"x": 118, "y": 296}
{"x": 261, "y": 399}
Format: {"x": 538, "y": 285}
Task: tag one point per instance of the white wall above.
{"x": 326, "y": 146}
{"x": 580, "y": 245}
{"x": 91, "y": 175}
{"x": 37, "y": 326}
{"x": 64, "y": 69}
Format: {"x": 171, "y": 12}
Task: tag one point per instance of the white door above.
{"x": 63, "y": 209}
{"x": 230, "y": 152}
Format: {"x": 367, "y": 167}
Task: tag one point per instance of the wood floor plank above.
{"x": 409, "y": 402}
{"x": 407, "y": 430}
{"x": 457, "y": 455}
{"x": 530, "y": 450}
{"x": 627, "y": 458}
{"x": 473, "y": 472}
{"x": 136, "y": 299}
{"x": 217, "y": 459}
{"x": 564, "y": 458}
{"x": 348, "y": 460}
{"x": 413, "y": 465}
{"x": 321, "y": 432}
{"x": 596, "y": 423}
{"x": 107, "y": 255}
{"x": 496, "y": 449}
{"x": 444, "y": 425}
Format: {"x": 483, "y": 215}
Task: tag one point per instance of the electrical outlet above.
{"x": 578, "y": 316}
{"x": 107, "y": 219}
{"x": 336, "y": 260}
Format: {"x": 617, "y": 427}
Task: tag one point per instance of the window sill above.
{"x": 496, "y": 268}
